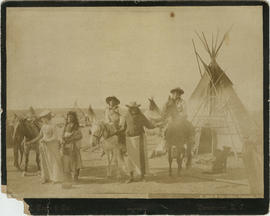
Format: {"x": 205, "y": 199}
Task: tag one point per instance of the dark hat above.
{"x": 112, "y": 98}
{"x": 71, "y": 113}
{"x": 178, "y": 90}
{"x": 133, "y": 104}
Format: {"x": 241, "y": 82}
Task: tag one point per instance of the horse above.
{"x": 26, "y": 130}
{"x": 179, "y": 136}
{"x": 105, "y": 136}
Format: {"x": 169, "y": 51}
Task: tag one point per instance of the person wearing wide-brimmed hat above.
{"x": 114, "y": 117}
{"x": 51, "y": 166}
{"x": 179, "y": 102}
{"x": 135, "y": 121}
{"x": 112, "y": 111}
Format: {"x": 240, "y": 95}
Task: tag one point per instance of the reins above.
{"x": 103, "y": 129}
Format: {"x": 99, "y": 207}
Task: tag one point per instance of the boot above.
{"x": 142, "y": 178}
{"x": 76, "y": 175}
{"x": 130, "y": 178}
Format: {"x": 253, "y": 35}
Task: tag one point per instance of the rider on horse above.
{"x": 178, "y": 101}
{"x": 175, "y": 111}
{"x": 114, "y": 117}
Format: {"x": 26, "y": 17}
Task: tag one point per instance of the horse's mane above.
{"x": 28, "y": 128}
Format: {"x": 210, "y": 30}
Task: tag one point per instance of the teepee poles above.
{"x": 212, "y": 44}
{"x": 197, "y": 57}
{"x": 206, "y": 44}
{"x": 215, "y": 47}
{"x": 201, "y": 40}
{"x": 222, "y": 41}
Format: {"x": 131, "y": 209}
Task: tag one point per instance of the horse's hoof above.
{"x": 23, "y": 173}
{"x": 129, "y": 181}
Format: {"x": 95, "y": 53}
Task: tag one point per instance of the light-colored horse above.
{"x": 104, "y": 135}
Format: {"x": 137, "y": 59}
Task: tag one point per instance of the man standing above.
{"x": 135, "y": 121}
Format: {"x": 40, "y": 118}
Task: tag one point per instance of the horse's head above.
{"x": 98, "y": 130}
{"x": 153, "y": 106}
{"x": 18, "y": 132}
{"x": 25, "y": 128}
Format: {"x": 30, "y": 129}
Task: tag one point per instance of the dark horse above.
{"x": 25, "y": 130}
{"x": 178, "y": 133}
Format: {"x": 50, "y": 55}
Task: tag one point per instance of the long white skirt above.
{"x": 51, "y": 165}
{"x": 134, "y": 157}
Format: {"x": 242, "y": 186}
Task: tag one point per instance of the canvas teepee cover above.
{"x": 214, "y": 107}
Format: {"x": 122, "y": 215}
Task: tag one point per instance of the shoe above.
{"x": 129, "y": 181}
{"x": 142, "y": 179}
{"x": 44, "y": 181}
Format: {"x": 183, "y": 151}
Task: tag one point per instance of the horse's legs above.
{"x": 15, "y": 153}
{"x": 189, "y": 155}
{"x": 180, "y": 157}
{"x": 108, "y": 164}
{"x": 21, "y": 153}
{"x": 109, "y": 161}
{"x": 27, "y": 152}
{"x": 117, "y": 160}
{"x": 170, "y": 161}
{"x": 37, "y": 157}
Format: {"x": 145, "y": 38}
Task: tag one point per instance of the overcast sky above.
{"x": 58, "y": 55}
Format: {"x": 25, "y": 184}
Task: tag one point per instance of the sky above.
{"x": 58, "y": 55}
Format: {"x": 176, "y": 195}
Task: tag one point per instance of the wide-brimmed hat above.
{"x": 45, "y": 113}
{"x": 178, "y": 90}
{"x": 133, "y": 104}
{"x": 112, "y": 98}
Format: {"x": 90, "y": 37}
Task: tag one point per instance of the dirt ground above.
{"x": 193, "y": 183}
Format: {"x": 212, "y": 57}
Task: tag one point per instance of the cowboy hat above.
{"x": 133, "y": 104}
{"x": 112, "y": 98}
{"x": 177, "y": 90}
{"x": 45, "y": 113}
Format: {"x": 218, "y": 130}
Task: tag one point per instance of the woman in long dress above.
{"x": 51, "y": 166}
{"x": 114, "y": 117}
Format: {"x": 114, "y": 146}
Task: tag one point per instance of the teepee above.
{"x": 82, "y": 116}
{"x": 214, "y": 108}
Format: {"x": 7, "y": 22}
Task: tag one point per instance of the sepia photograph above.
{"x": 134, "y": 102}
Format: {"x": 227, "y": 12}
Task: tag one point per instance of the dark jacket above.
{"x": 135, "y": 123}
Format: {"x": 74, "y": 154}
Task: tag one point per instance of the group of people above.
{"x": 131, "y": 129}
{"x": 60, "y": 155}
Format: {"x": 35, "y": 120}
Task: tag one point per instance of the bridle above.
{"x": 101, "y": 133}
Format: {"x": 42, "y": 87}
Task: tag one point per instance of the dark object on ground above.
{"x": 220, "y": 163}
